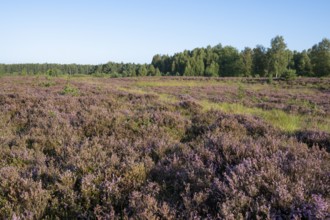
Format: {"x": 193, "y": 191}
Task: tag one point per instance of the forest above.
{"x": 218, "y": 61}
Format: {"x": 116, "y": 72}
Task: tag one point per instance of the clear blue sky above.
{"x": 98, "y": 31}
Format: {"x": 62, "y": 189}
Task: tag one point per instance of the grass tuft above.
{"x": 278, "y": 118}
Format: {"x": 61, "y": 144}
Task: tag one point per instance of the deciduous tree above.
{"x": 320, "y": 58}
{"x": 278, "y": 56}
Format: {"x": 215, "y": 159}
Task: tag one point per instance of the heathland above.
{"x": 164, "y": 148}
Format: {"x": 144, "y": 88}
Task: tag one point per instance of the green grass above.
{"x": 325, "y": 126}
{"x": 167, "y": 98}
{"x": 278, "y": 118}
{"x": 282, "y": 120}
{"x": 177, "y": 83}
{"x": 133, "y": 90}
{"x": 302, "y": 103}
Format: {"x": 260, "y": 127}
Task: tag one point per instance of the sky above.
{"x": 99, "y": 31}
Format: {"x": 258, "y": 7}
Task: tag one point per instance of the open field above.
{"x": 164, "y": 148}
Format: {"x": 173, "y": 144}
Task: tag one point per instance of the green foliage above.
{"x": 2, "y": 69}
{"x": 212, "y": 70}
{"x": 142, "y": 70}
{"x": 70, "y": 90}
{"x": 50, "y": 69}
{"x": 230, "y": 62}
{"x": 24, "y": 72}
{"x": 278, "y": 56}
{"x": 115, "y": 75}
{"x": 210, "y": 61}
{"x": 52, "y": 72}
{"x": 47, "y": 84}
{"x": 320, "y": 58}
{"x": 259, "y": 61}
{"x": 289, "y": 75}
{"x": 277, "y": 118}
{"x": 241, "y": 92}
{"x": 270, "y": 79}
{"x": 302, "y": 64}
{"x": 247, "y": 59}
{"x": 188, "y": 71}
{"x": 151, "y": 71}
{"x": 100, "y": 74}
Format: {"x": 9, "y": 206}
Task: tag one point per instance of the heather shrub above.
{"x": 312, "y": 138}
{"x": 190, "y": 105}
{"x": 21, "y": 197}
{"x": 265, "y": 188}
{"x": 261, "y": 176}
{"x": 143, "y": 204}
{"x": 108, "y": 153}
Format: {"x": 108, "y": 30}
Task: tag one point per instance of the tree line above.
{"x": 223, "y": 61}
{"x": 111, "y": 68}
{"x": 275, "y": 61}
{"x": 51, "y": 69}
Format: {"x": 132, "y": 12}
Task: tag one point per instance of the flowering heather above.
{"x": 98, "y": 148}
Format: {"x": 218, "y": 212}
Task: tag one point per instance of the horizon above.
{"x": 79, "y": 32}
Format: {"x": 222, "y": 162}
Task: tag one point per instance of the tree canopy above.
{"x": 218, "y": 60}
{"x": 320, "y": 58}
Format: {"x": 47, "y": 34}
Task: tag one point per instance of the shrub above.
{"x": 241, "y": 93}
{"x": 21, "y": 197}
{"x": 47, "y": 84}
{"x": 315, "y": 138}
{"x": 70, "y": 90}
{"x": 270, "y": 79}
{"x": 118, "y": 154}
{"x": 99, "y": 75}
{"x": 289, "y": 75}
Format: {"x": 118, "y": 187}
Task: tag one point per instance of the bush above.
{"x": 99, "y": 75}
{"x": 115, "y": 75}
{"x": 270, "y": 79}
{"x": 289, "y": 75}
{"x": 70, "y": 90}
{"x": 53, "y": 72}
